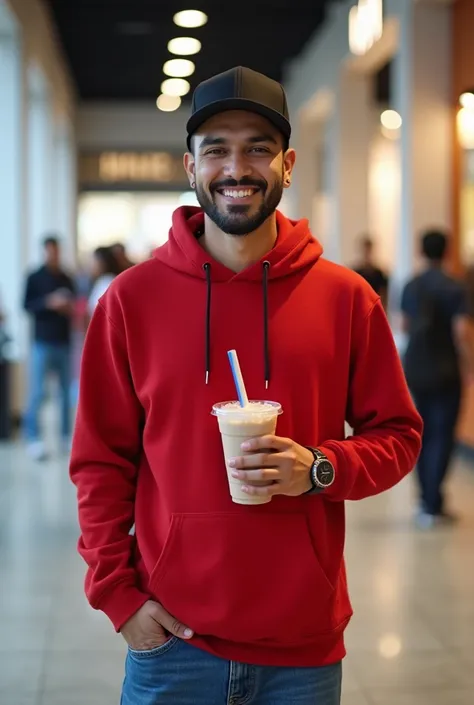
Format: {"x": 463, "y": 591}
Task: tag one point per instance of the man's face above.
{"x": 239, "y": 169}
{"x": 52, "y": 255}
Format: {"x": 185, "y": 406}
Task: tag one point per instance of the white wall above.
{"x": 41, "y": 46}
{"x": 22, "y": 175}
{"x": 317, "y": 67}
{"x": 10, "y": 180}
{"x": 384, "y": 185}
{"x": 417, "y": 35}
{"x": 422, "y": 94}
{"x": 124, "y": 125}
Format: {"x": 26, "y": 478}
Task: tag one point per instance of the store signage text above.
{"x": 135, "y": 166}
{"x": 365, "y": 25}
{"x": 131, "y": 167}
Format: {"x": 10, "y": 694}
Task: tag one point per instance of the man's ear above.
{"x": 289, "y": 159}
{"x": 190, "y": 168}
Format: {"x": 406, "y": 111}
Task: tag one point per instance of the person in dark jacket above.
{"x": 49, "y": 299}
{"x": 439, "y": 355}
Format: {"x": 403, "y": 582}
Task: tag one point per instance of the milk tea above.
{"x": 238, "y": 424}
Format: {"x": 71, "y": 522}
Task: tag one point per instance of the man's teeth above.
{"x": 238, "y": 194}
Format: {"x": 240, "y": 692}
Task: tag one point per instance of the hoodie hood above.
{"x": 295, "y": 249}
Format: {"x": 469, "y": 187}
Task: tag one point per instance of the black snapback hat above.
{"x": 239, "y": 88}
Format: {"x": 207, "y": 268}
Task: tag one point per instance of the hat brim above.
{"x": 220, "y": 106}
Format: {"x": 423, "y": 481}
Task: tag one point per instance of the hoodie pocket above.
{"x": 245, "y": 577}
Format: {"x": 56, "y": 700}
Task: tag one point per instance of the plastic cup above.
{"x": 238, "y": 424}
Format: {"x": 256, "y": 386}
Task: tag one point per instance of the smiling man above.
{"x": 218, "y": 602}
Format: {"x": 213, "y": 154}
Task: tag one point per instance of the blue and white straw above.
{"x": 238, "y": 379}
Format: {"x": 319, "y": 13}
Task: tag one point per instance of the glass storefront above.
{"x": 140, "y": 221}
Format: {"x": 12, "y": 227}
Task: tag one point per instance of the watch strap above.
{"x": 317, "y": 455}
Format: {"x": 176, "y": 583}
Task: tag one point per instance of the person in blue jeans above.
{"x": 438, "y": 355}
{"x": 234, "y": 600}
{"x": 49, "y": 299}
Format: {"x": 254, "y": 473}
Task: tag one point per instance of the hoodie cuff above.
{"x": 122, "y": 603}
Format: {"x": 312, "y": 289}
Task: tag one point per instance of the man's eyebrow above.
{"x": 211, "y": 141}
{"x": 266, "y": 137}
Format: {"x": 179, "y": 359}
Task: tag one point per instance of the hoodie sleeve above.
{"x": 387, "y": 427}
{"x": 104, "y": 464}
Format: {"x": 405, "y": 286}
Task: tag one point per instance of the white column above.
{"x": 307, "y": 136}
{"x": 41, "y": 218}
{"x": 64, "y": 190}
{"x": 11, "y": 282}
{"x": 333, "y": 161}
{"x": 352, "y": 150}
{"x": 422, "y": 95}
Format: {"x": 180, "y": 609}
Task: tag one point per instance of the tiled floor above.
{"x": 411, "y": 641}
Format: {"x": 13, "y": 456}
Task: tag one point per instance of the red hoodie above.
{"x": 259, "y": 584}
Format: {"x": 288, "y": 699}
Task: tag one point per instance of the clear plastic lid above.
{"x": 255, "y": 407}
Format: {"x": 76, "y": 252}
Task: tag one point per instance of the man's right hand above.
{"x": 56, "y": 301}
{"x": 151, "y": 627}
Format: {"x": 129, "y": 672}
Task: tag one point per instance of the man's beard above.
{"x": 236, "y": 221}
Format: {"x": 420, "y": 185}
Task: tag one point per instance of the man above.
{"x": 435, "y": 317}
{"x": 49, "y": 299}
{"x": 218, "y": 602}
{"x": 368, "y": 269}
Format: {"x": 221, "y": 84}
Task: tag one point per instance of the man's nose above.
{"x": 237, "y": 167}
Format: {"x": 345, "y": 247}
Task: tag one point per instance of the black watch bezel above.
{"x": 319, "y": 459}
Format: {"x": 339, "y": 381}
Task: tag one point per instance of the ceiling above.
{"x": 116, "y": 48}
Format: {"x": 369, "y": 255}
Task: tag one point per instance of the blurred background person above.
{"x": 105, "y": 268}
{"x": 439, "y": 351}
{"x": 49, "y": 299}
{"x": 121, "y": 256}
{"x": 370, "y": 271}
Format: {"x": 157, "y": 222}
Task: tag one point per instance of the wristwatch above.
{"x": 322, "y": 473}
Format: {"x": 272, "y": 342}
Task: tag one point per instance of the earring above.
{"x": 193, "y": 184}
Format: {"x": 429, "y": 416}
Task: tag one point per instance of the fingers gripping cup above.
{"x": 238, "y": 424}
{"x": 240, "y": 421}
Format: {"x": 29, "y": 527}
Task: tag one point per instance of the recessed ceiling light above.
{"x": 178, "y": 68}
{"x": 190, "y": 18}
{"x": 184, "y": 46}
{"x": 467, "y": 99}
{"x": 168, "y": 103}
{"x": 175, "y": 86}
{"x": 391, "y": 120}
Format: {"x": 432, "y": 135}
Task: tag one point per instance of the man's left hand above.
{"x": 273, "y": 465}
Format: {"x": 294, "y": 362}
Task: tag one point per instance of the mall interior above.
{"x": 94, "y": 102}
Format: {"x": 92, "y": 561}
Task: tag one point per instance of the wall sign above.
{"x": 365, "y": 25}
{"x": 131, "y": 167}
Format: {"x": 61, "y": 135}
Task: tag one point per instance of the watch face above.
{"x": 325, "y": 473}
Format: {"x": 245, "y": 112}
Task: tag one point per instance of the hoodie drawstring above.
{"x": 207, "y": 269}
{"x": 266, "y": 345}
{"x": 266, "y": 351}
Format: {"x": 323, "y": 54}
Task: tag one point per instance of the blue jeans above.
{"x": 46, "y": 358}
{"x": 439, "y": 412}
{"x": 178, "y": 673}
